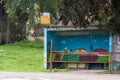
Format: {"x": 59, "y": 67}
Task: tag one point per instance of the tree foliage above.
{"x": 114, "y": 23}
{"x": 99, "y": 13}
{"x": 9, "y": 31}
{"x": 83, "y": 13}
{"x": 31, "y": 7}
{"x": 17, "y": 16}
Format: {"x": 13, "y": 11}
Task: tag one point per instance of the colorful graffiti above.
{"x": 81, "y": 47}
{"x": 82, "y": 55}
{"x": 116, "y": 49}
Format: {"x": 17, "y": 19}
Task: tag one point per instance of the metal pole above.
{"x": 51, "y": 45}
{"x": 110, "y": 62}
{"x": 110, "y": 52}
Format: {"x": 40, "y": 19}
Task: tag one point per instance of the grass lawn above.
{"x": 24, "y": 56}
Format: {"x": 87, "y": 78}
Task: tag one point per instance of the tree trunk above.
{"x": 8, "y": 31}
{"x": 1, "y": 31}
{"x": 0, "y": 34}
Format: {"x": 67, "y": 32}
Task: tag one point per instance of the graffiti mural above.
{"x": 77, "y": 46}
{"x": 116, "y": 49}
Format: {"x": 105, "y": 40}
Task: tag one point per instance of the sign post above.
{"x": 45, "y": 18}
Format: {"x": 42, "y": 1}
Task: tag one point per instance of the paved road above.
{"x": 71, "y": 75}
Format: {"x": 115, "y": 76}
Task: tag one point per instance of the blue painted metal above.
{"x": 56, "y": 40}
{"x": 73, "y": 42}
{"x": 110, "y": 44}
{"x": 45, "y": 48}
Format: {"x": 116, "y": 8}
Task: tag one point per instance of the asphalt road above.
{"x": 71, "y": 75}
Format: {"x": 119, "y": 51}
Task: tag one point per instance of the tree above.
{"x": 32, "y": 8}
{"x": 99, "y": 13}
{"x": 103, "y": 14}
{"x": 114, "y": 22}
{"x": 9, "y": 31}
{"x": 18, "y": 16}
{"x": 3, "y": 24}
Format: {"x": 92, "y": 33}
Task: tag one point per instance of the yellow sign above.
{"x": 44, "y": 19}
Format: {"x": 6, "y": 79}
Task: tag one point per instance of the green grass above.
{"x": 108, "y": 72}
{"x": 59, "y": 70}
{"x": 103, "y": 72}
{"x": 24, "y": 56}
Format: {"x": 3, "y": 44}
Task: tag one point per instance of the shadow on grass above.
{"x": 29, "y": 44}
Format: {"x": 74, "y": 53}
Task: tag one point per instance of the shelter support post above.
{"x": 110, "y": 53}
{"x": 51, "y": 43}
{"x": 110, "y": 62}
